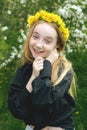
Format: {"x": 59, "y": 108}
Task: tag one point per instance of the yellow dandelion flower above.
{"x": 49, "y": 17}
{"x": 30, "y": 20}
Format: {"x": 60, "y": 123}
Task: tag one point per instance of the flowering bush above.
{"x": 73, "y": 12}
{"x": 75, "y": 16}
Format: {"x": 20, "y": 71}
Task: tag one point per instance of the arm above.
{"x": 19, "y": 97}
{"x": 44, "y": 92}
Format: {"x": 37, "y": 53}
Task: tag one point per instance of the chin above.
{"x": 35, "y": 56}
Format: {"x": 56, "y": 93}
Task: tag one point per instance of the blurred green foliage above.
{"x": 79, "y": 63}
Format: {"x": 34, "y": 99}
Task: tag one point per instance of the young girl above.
{"x": 41, "y": 92}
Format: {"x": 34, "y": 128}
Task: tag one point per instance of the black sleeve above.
{"x": 19, "y": 97}
{"x": 44, "y": 92}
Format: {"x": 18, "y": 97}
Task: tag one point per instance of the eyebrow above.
{"x": 36, "y": 32}
{"x": 46, "y": 36}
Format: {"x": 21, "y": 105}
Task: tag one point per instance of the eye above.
{"x": 47, "y": 41}
{"x": 35, "y": 37}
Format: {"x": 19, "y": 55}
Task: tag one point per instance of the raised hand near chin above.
{"x": 38, "y": 65}
{"x": 53, "y": 56}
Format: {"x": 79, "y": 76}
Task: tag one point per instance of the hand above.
{"x": 38, "y": 65}
{"x": 53, "y": 56}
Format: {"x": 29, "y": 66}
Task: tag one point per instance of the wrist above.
{"x": 29, "y": 84}
{"x": 33, "y": 76}
{"x": 48, "y": 60}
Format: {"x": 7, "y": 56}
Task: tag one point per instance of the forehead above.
{"x": 45, "y": 29}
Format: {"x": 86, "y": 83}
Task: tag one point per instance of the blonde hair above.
{"x": 59, "y": 69}
{"x": 60, "y": 64}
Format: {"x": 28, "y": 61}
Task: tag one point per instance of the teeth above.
{"x": 37, "y": 50}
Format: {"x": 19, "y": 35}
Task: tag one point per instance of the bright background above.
{"x": 13, "y": 30}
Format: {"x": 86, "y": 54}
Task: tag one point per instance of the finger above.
{"x": 40, "y": 62}
{"x": 41, "y": 68}
{"x": 39, "y": 59}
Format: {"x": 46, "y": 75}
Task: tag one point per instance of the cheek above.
{"x": 50, "y": 48}
{"x": 31, "y": 42}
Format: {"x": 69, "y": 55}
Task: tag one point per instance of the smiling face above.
{"x": 43, "y": 40}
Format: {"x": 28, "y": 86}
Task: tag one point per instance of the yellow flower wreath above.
{"x": 49, "y": 17}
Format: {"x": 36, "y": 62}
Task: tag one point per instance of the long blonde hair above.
{"x": 60, "y": 64}
{"x": 59, "y": 69}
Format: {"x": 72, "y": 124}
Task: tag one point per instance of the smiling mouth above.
{"x": 38, "y": 51}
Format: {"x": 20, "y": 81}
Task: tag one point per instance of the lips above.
{"x": 38, "y": 51}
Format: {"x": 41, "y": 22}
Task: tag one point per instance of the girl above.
{"x": 41, "y": 92}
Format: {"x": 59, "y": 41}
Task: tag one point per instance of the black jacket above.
{"x": 46, "y": 105}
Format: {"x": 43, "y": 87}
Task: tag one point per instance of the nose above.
{"x": 39, "y": 44}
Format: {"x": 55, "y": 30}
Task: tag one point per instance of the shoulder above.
{"x": 70, "y": 72}
{"x": 23, "y": 69}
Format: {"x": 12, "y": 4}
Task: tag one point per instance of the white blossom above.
{"x": 5, "y": 38}
{"x": 79, "y": 33}
{"x": 86, "y": 46}
{"x": 9, "y": 11}
{"x": 20, "y": 47}
{"x": 22, "y": 34}
{"x": 22, "y": 1}
{"x": 4, "y": 28}
{"x": 69, "y": 50}
{"x": 15, "y": 50}
{"x": 20, "y": 39}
